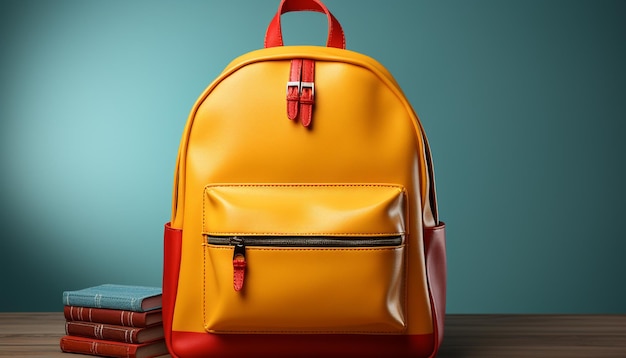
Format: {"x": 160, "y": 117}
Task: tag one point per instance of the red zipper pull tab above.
{"x": 239, "y": 263}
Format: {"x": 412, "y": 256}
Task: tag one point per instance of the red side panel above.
{"x": 435, "y": 249}
{"x": 188, "y": 344}
{"x": 172, "y": 242}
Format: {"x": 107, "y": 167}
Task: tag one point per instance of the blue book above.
{"x": 119, "y": 297}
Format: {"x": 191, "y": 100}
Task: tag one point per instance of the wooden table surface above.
{"x": 568, "y": 336}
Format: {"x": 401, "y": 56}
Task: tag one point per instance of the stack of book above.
{"x": 114, "y": 321}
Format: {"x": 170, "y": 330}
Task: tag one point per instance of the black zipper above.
{"x": 239, "y": 244}
{"x": 305, "y": 241}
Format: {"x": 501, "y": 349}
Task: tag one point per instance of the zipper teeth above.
{"x": 310, "y": 241}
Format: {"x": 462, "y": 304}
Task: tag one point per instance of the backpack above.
{"x": 304, "y": 218}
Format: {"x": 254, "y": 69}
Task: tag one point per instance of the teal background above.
{"x": 523, "y": 102}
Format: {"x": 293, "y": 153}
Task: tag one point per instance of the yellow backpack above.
{"x": 304, "y": 217}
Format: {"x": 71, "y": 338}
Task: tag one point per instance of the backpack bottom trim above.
{"x": 193, "y": 344}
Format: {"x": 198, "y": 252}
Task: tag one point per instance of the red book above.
{"x": 110, "y": 316}
{"x": 97, "y": 347}
{"x": 114, "y": 333}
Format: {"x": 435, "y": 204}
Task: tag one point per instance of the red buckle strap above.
{"x": 307, "y": 92}
{"x": 293, "y": 88}
{"x": 301, "y": 90}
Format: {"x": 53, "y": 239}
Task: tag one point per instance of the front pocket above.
{"x": 304, "y": 258}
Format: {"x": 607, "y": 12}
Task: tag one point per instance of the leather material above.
{"x": 273, "y": 80}
{"x": 365, "y": 132}
{"x": 383, "y": 151}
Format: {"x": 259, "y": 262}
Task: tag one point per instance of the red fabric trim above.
{"x": 192, "y": 345}
{"x": 435, "y": 251}
{"x": 172, "y": 242}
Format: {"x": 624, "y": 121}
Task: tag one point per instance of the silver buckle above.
{"x": 293, "y": 84}
{"x": 300, "y": 86}
{"x": 310, "y": 85}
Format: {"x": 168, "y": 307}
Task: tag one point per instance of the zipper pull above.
{"x": 239, "y": 262}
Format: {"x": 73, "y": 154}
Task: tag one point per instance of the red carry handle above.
{"x": 274, "y": 36}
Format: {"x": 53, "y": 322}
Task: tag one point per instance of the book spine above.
{"x": 102, "y": 315}
{"x": 94, "y": 347}
{"x": 102, "y": 301}
{"x": 102, "y": 331}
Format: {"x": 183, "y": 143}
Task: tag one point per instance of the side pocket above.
{"x": 435, "y": 251}
{"x": 172, "y": 241}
